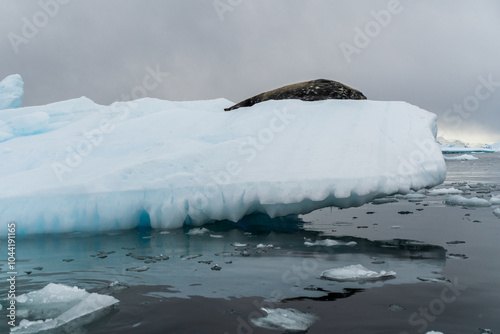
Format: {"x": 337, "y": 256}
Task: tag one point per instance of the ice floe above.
{"x": 285, "y": 319}
{"x": 471, "y": 202}
{"x": 58, "y": 305}
{"x": 355, "y": 273}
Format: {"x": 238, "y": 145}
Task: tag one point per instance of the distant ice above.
{"x": 285, "y": 319}
{"x": 457, "y": 149}
{"x": 461, "y": 157}
{"x": 495, "y": 147}
{"x": 58, "y": 305}
{"x": 354, "y": 273}
{"x": 80, "y": 166}
{"x": 11, "y": 92}
{"x": 474, "y": 201}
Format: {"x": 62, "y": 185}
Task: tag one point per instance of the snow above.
{"x": 78, "y": 166}
{"x": 472, "y": 202}
{"x": 461, "y": 157}
{"x": 56, "y": 305}
{"x": 285, "y": 319}
{"x": 355, "y": 272}
{"x": 11, "y": 92}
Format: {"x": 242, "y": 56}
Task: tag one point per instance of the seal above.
{"x": 314, "y": 90}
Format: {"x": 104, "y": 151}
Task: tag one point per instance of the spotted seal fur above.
{"x": 314, "y": 90}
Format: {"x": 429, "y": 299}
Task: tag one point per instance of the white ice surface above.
{"x": 78, "y": 166}
{"x": 354, "y": 273}
{"x": 56, "y": 305}
{"x": 11, "y": 92}
{"x": 285, "y": 319}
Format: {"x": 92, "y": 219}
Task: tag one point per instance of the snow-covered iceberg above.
{"x": 11, "y": 92}
{"x": 79, "y": 166}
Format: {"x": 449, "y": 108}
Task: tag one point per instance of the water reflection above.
{"x": 258, "y": 256}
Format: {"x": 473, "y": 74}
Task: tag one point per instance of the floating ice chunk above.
{"x": 264, "y": 246}
{"x": 496, "y": 212}
{"x": 285, "y": 319}
{"x": 434, "y": 332}
{"x": 325, "y": 242}
{"x": 329, "y": 243}
{"x": 239, "y": 244}
{"x": 56, "y": 305}
{"x": 495, "y": 200}
{"x": 474, "y": 201}
{"x": 412, "y": 196}
{"x": 198, "y": 231}
{"x": 355, "y": 273}
{"x": 444, "y": 191}
{"x": 461, "y": 157}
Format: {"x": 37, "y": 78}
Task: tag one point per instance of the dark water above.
{"x": 448, "y": 271}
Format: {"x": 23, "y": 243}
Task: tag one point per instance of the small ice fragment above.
{"x": 325, "y": 242}
{"x": 239, "y": 244}
{"x": 198, "y": 231}
{"x": 138, "y": 269}
{"x": 285, "y": 319}
{"x": 356, "y": 273}
{"x": 218, "y": 236}
{"x": 496, "y": 212}
{"x": 396, "y": 307}
{"x": 264, "y": 246}
{"x": 190, "y": 257}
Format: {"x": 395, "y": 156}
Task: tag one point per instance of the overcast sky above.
{"x": 442, "y": 56}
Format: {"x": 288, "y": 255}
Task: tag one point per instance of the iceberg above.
{"x": 58, "y": 306}
{"x": 11, "y": 92}
{"x": 78, "y": 166}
